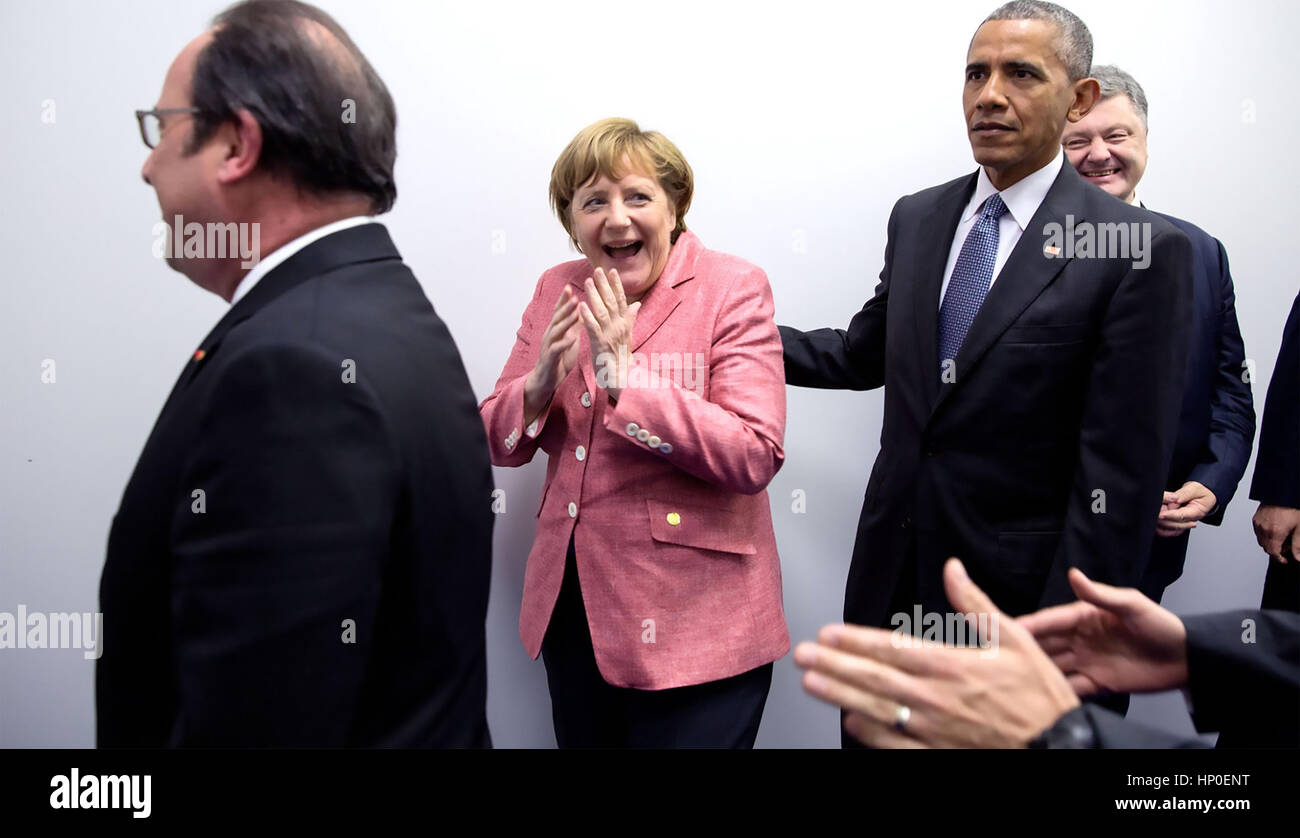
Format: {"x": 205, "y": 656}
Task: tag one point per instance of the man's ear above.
{"x": 1087, "y": 92}
{"x": 242, "y": 139}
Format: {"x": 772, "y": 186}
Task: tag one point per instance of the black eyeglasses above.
{"x": 151, "y": 126}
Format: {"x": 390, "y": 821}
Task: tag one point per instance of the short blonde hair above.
{"x": 600, "y": 148}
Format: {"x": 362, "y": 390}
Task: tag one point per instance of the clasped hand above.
{"x": 609, "y": 321}
{"x": 1181, "y": 510}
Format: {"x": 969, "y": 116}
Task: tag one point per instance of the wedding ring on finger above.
{"x": 901, "y": 718}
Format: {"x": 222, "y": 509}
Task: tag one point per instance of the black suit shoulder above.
{"x": 381, "y": 301}
{"x": 1197, "y": 235}
{"x": 1100, "y": 204}
{"x": 915, "y": 203}
{"x": 1208, "y": 250}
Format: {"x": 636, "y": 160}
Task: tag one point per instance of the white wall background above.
{"x": 804, "y": 122}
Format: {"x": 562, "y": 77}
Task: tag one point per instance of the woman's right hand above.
{"x": 558, "y": 356}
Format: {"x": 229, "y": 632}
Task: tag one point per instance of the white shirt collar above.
{"x": 275, "y": 258}
{"x": 1023, "y": 198}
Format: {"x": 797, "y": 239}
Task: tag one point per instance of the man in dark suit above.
{"x": 1276, "y": 484}
{"x": 301, "y": 557}
{"x": 1216, "y": 427}
{"x": 1235, "y": 665}
{"x": 1028, "y": 425}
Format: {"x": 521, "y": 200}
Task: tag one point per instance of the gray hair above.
{"x": 1115, "y": 82}
{"x": 1073, "y": 46}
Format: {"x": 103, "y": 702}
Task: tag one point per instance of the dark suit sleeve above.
{"x": 1232, "y": 410}
{"x": 1277, "y": 465}
{"x": 839, "y": 359}
{"x": 299, "y": 484}
{"x": 1111, "y": 730}
{"x": 1130, "y": 418}
{"x": 1242, "y": 665}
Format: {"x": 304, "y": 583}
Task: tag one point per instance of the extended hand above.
{"x": 1182, "y": 509}
{"x": 1112, "y": 640}
{"x": 996, "y": 697}
{"x": 609, "y": 321}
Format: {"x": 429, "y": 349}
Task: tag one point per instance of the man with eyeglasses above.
{"x": 301, "y": 556}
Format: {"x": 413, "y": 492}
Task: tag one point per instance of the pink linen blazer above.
{"x": 663, "y": 491}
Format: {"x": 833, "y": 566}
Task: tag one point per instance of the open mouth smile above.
{"x": 622, "y": 251}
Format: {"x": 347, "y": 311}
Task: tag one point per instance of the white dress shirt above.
{"x": 1022, "y": 198}
{"x": 280, "y": 254}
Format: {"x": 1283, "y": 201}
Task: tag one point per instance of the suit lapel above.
{"x": 656, "y": 305}
{"x": 939, "y": 226}
{"x": 1027, "y": 272}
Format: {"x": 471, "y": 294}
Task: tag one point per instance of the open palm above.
{"x": 1112, "y": 640}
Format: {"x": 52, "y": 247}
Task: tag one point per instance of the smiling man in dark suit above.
{"x": 1216, "y": 426}
{"x": 1031, "y": 387}
{"x": 301, "y": 557}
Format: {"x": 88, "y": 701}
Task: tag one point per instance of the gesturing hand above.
{"x": 1112, "y": 640}
{"x": 609, "y": 321}
{"x": 1182, "y": 509}
{"x": 996, "y": 697}
{"x": 558, "y": 355}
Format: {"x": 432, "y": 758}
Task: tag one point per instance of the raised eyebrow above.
{"x": 977, "y": 67}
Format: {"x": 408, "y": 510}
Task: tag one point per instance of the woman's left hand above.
{"x": 609, "y": 321}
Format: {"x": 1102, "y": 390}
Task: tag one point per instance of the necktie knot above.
{"x": 993, "y": 207}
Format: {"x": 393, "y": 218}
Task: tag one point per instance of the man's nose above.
{"x": 1098, "y": 151}
{"x": 991, "y": 96}
{"x": 144, "y": 169}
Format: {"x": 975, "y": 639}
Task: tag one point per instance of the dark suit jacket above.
{"x": 1277, "y": 465}
{"x": 331, "y": 510}
{"x": 1068, "y": 385}
{"x": 1216, "y": 428}
{"x": 1248, "y": 680}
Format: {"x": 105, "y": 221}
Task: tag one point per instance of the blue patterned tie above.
{"x": 971, "y": 278}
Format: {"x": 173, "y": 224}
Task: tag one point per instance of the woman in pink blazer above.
{"x": 651, "y": 374}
